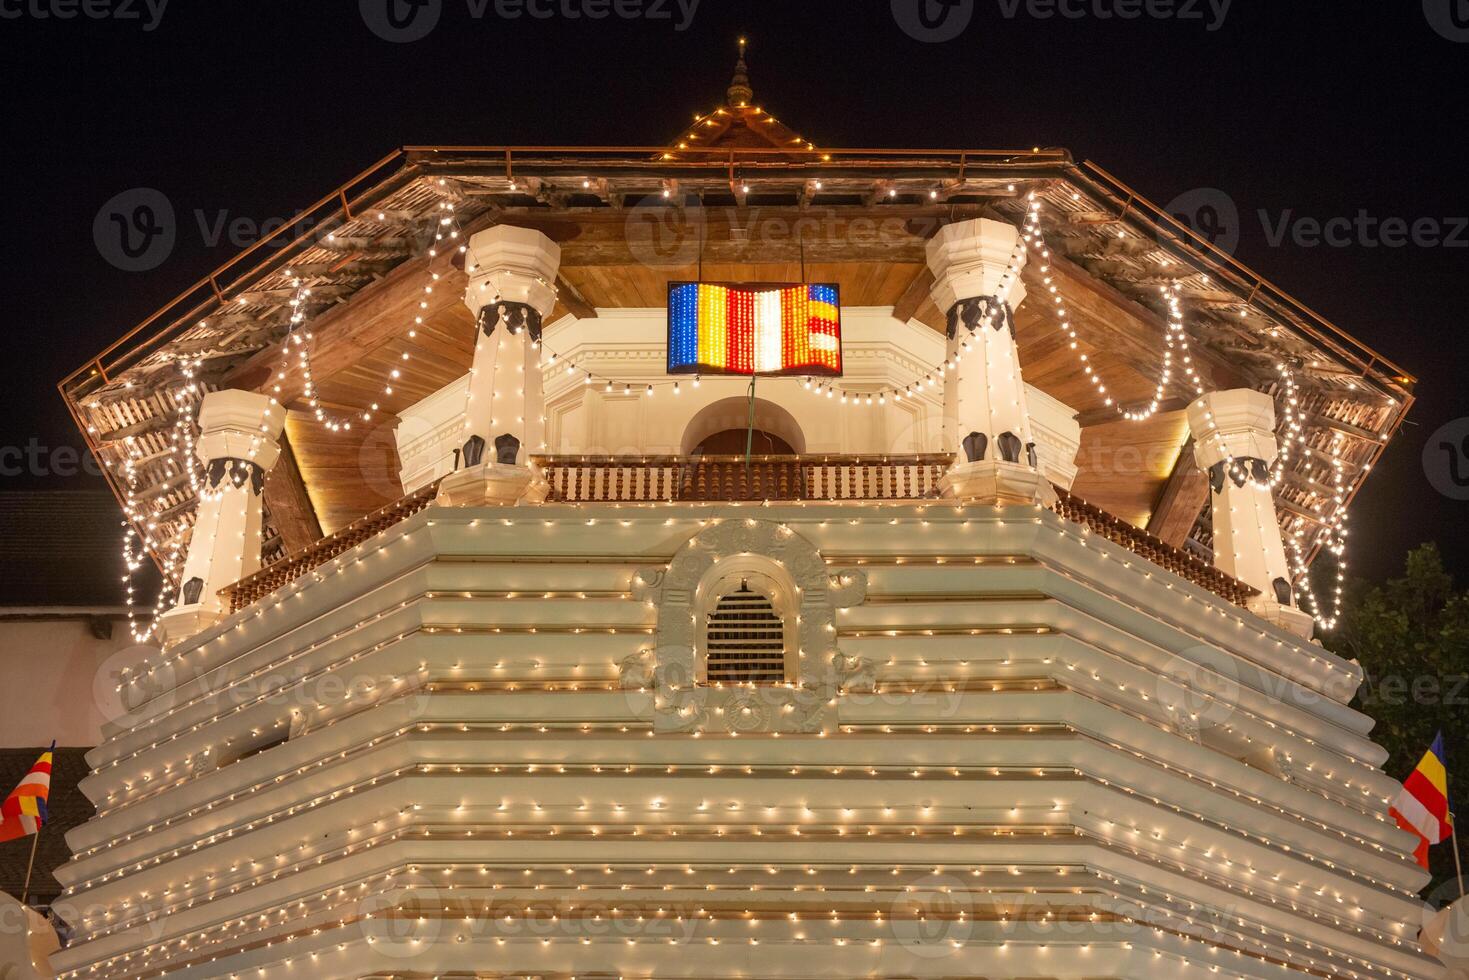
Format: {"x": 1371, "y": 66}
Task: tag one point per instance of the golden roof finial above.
{"x": 739, "y": 92}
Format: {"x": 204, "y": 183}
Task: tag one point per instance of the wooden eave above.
{"x": 364, "y": 252}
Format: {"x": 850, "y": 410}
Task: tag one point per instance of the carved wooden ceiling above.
{"x": 629, "y": 222}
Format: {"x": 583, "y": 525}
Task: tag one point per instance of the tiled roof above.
{"x": 62, "y": 548}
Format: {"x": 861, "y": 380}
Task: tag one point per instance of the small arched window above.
{"x": 747, "y": 622}
{"x": 745, "y": 639}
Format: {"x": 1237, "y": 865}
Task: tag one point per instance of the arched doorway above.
{"x": 719, "y": 429}
{"x": 732, "y": 442}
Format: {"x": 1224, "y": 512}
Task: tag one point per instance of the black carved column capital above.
{"x": 978, "y": 311}
{"x": 238, "y": 472}
{"x": 515, "y": 316}
{"x": 1240, "y": 469}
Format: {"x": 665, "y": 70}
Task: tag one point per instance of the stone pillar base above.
{"x": 491, "y": 485}
{"x": 1288, "y": 618}
{"x": 997, "y": 482}
{"x": 185, "y": 621}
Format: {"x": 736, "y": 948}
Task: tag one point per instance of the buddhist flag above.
{"x": 24, "y": 810}
{"x": 754, "y": 328}
{"x": 1423, "y": 805}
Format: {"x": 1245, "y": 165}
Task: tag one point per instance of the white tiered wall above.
{"x": 1050, "y": 760}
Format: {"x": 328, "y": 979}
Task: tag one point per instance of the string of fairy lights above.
{"x": 537, "y": 820}
{"x": 1292, "y": 440}
{"x": 140, "y": 524}
{"x": 296, "y": 353}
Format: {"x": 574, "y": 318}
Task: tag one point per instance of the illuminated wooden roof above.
{"x": 630, "y": 219}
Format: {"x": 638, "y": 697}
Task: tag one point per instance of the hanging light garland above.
{"x": 139, "y": 525}
{"x": 934, "y": 375}
{"x": 1292, "y": 430}
{"x": 1334, "y": 536}
{"x": 1175, "y": 338}
{"x": 298, "y": 340}
{"x": 448, "y": 233}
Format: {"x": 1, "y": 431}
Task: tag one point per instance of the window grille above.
{"x": 745, "y": 640}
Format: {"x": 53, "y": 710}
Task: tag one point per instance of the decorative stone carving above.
{"x": 1284, "y": 766}
{"x": 978, "y": 312}
{"x": 1243, "y": 469}
{"x": 672, "y": 668}
{"x": 515, "y": 316}
{"x": 507, "y": 449}
{"x": 635, "y": 672}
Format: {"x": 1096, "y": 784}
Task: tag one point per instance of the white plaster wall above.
{"x": 630, "y": 345}
{"x": 54, "y": 670}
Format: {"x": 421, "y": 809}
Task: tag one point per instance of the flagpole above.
{"x": 25, "y": 892}
{"x": 1458, "y": 863}
{"x": 36, "y": 842}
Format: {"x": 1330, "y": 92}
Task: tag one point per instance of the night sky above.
{"x": 250, "y": 110}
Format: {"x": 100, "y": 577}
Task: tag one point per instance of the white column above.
{"x": 1057, "y": 436}
{"x": 1234, "y": 442}
{"x": 976, "y": 269}
{"x": 512, "y": 275}
{"x": 238, "y": 444}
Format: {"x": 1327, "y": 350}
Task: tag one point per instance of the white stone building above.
{"x": 594, "y": 696}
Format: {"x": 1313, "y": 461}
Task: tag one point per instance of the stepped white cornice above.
{"x": 372, "y": 770}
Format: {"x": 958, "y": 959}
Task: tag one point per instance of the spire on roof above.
{"x": 739, "y": 92}
{"x": 738, "y": 123}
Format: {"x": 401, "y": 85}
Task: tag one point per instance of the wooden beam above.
{"x": 374, "y": 315}
{"x": 1109, "y": 319}
{"x": 344, "y": 334}
{"x": 1345, "y": 428}
{"x": 288, "y": 504}
{"x": 572, "y": 299}
{"x": 1182, "y": 500}
{"x": 918, "y": 290}
{"x": 1101, "y": 416}
{"x": 895, "y": 233}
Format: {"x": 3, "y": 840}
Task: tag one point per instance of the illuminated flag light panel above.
{"x": 754, "y": 328}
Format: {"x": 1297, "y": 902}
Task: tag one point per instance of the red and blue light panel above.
{"x": 754, "y": 328}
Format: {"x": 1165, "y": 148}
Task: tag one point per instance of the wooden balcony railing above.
{"x": 1141, "y": 543}
{"x": 631, "y": 479}
{"x": 255, "y": 587}
{"x": 650, "y": 479}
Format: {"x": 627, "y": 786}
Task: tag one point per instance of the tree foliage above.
{"x": 1411, "y": 635}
